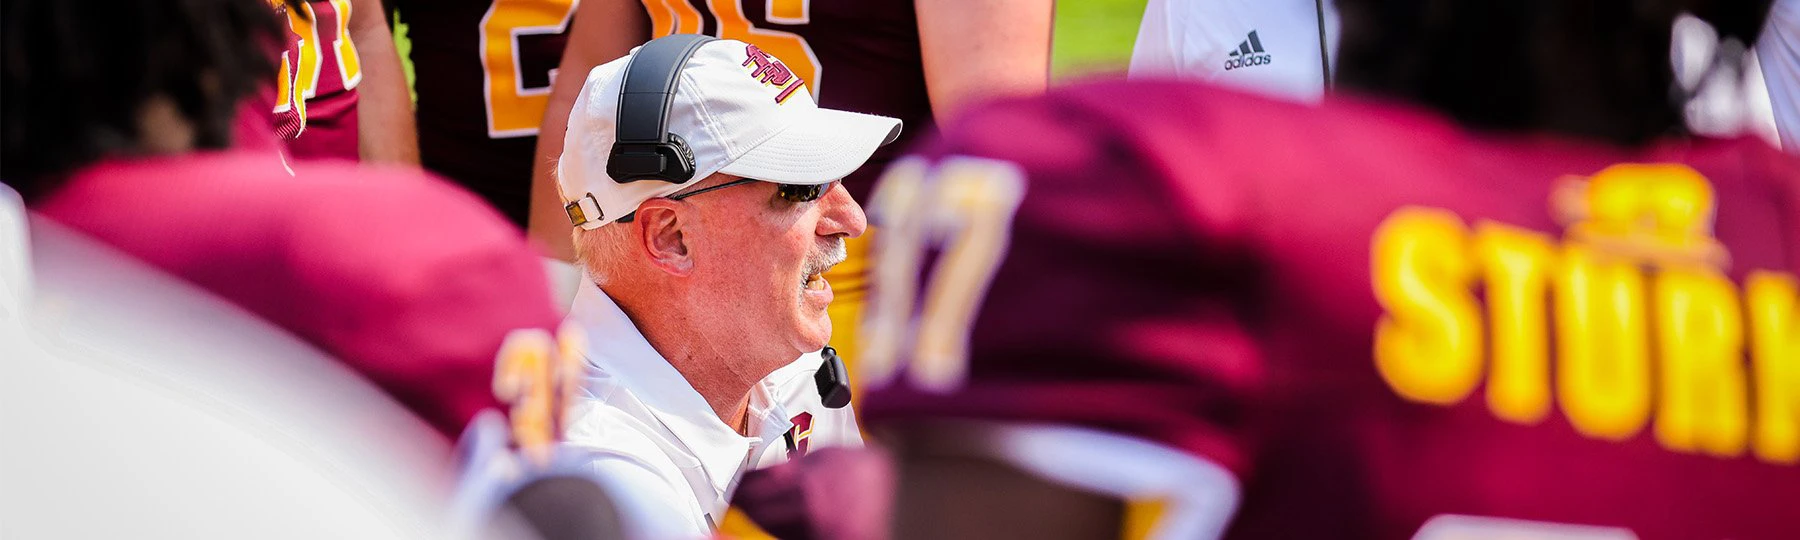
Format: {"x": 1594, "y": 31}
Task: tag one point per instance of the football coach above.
{"x": 701, "y": 181}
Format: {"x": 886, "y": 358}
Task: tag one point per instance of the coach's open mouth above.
{"x": 812, "y": 277}
{"x": 814, "y": 280}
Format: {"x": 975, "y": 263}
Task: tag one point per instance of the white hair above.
{"x": 599, "y": 251}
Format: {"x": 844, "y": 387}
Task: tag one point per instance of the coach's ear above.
{"x": 660, "y": 230}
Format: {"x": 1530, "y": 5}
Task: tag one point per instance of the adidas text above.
{"x": 1247, "y": 61}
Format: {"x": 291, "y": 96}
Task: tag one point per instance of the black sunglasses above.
{"x": 794, "y": 193}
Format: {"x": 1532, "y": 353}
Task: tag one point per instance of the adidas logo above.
{"x": 1248, "y": 53}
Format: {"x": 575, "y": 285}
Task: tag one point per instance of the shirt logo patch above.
{"x": 772, "y": 72}
{"x": 1248, "y": 53}
{"x": 797, "y": 437}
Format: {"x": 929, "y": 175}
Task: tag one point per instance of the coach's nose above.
{"x": 840, "y": 215}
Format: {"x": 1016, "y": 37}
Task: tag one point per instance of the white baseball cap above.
{"x": 739, "y": 109}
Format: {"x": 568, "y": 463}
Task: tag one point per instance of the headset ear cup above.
{"x": 645, "y": 149}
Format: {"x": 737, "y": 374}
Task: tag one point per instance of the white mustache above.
{"x": 818, "y": 263}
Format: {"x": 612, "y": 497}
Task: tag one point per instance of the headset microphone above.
{"x": 833, "y": 380}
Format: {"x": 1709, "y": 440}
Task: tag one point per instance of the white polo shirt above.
{"x": 1265, "y": 46}
{"x": 647, "y": 428}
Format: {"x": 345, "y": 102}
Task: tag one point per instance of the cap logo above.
{"x": 772, "y": 72}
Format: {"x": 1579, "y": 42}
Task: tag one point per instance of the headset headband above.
{"x": 643, "y": 148}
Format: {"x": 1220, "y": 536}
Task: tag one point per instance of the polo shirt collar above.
{"x": 616, "y": 347}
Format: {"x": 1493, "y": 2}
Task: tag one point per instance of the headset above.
{"x": 643, "y": 147}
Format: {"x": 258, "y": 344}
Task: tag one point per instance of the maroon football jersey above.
{"x": 855, "y": 55}
{"x": 1372, "y": 318}
{"x": 315, "y": 101}
{"x": 404, "y": 278}
{"x": 483, "y": 70}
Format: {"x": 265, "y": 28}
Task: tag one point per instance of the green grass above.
{"x": 1093, "y": 37}
{"x": 404, "y": 44}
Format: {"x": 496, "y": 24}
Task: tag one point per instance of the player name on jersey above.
{"x": 1645, "y": 322}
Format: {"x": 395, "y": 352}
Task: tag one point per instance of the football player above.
{"x": 136, "y": 149}
{"x": 180, "y": 290}
{"x": 234, "y": 424}
{"x": 483, "y": 71}
{"x": 341, "y": 92}
{"x": 1527, "y": 305}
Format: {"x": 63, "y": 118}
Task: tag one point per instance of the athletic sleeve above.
{"x": 1779, "y": 52}
{"x": 1153, "y": 54}
{"x": 1173, "y": 40}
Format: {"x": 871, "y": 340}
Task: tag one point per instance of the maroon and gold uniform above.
{"x": 315, "y": 94}
{"x": 483, "y": 70}
{"x": 1381, "y": 325}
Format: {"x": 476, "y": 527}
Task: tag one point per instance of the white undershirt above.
{"x": 1197, "y": 39}
{"x": 1778, "y": 50}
